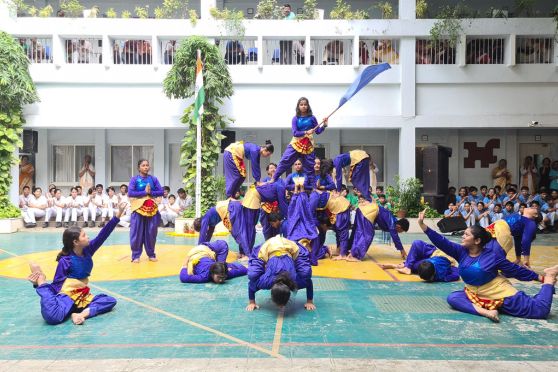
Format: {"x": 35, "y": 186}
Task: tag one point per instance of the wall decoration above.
{"x": 484, "y": 154}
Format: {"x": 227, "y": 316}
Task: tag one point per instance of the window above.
{"x": 377, "y": 154}
{"x": 68, "y": 160}
{"x": 124, "y": 161}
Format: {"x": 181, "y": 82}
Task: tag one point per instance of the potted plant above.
{"x": 16, "y": 89}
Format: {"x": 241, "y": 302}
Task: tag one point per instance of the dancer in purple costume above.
{"x": 142, "y": 191}
{"x": 486, "y": 293}
{"x": 69, "y": 293}
{"x": 282, "y": 266}
{"x": 423, "y": 259}
{"x": 234, "y": 167}
{"x": 363, "y": 230}
{"x": 359, "y": 173}
{"x": 304, "y": 125}
{"x": 208, "y": 263}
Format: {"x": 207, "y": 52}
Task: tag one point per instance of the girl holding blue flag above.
{"x": 304, "y": 126}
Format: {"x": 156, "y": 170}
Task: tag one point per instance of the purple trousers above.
{"x": 143, "y": 232}
{"x": 268, "y": 230}
{"x": 520, "y": 304}
{"x": 57, "y": 307}
{"x": 360, "y": 178}
{"x": 233, "y": 178}
{"x": 342, "y": 225}
{"x": 288, "y": 159}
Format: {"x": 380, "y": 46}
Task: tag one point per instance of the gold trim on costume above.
{"x": 222, "y": 208}
{"x": 356, "y": 157}
{"x": 278, "y": 246}
{"x": 196, "y": 254}
{"x": 252, "y": 199}
{"x": 237, "y": 151}
{"x": 304, "y": 144}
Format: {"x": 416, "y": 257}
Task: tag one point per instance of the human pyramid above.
{"x": 295, "y": 214}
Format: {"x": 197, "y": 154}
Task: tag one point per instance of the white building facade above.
{"x": 118, "y": 112}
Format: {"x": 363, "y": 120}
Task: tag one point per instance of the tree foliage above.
{"x": 180, "y": 84}
{"x": 16, "y": 89}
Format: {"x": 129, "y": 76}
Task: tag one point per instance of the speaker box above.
{"x": 230, "y": 137}
{"x": 30, "y": 141}
{"x": 438, "y": 202}
{"x": 452, "y": 224}
{"x": 435, "y": 169}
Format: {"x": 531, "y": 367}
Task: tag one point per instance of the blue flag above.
{"x": 364, "y": 78}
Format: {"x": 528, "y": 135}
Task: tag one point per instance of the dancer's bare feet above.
{"x": 350, "y": 258}
{"x": 79, "y": 318}
{"x": 37, "y": 276}
{"x": 403, "y": 270}
{"x": 392, "y": 266}
{"x": 339, "y": 258}
{"x": 135, "y": 260}
{"x": 490, "y": 314}
{"x": 550, "y": 275}
{"x": 153, "y": 259}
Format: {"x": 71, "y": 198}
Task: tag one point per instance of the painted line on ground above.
{"x": 384, "y": 270}
{"x": 189, "y": 322}
{"x": 278, "y": 331}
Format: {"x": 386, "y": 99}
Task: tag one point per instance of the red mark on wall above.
{"x": 484, "y": 154}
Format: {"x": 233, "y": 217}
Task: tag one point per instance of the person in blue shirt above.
{"x": 298, "y": 177}
{"x": 496, "y": 213}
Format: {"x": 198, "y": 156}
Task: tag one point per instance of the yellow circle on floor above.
{"x": 110, "y": 263}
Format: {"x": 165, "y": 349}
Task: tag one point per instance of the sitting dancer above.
{"x": 240, "y": 221}
{"x": 208, "y": 263}
{"x": 297, "y": 177}
{"x": 282, "y": 266}
{"x": 69, "y": 295}
{"x": 429, "y": 263}
{"x": 481, "y": 258}
{"x": 304, "y": 125}
{"x": 359, "y": 171}
{"x": 323, "y": 170}
{"x": 370, "y": 214}
{"x": 233, "y": 163}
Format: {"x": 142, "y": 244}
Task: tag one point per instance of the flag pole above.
{"x": 198, "y": 160}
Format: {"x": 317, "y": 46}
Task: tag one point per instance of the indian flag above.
{"x": 199, "y": 92}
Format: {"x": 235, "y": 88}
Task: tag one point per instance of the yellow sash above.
{"x": 252, "y": 199}
{"x": 278, "y": 246}
{"x": 146, "y": 206}
{"x": 222, "y": 208}
{"x": 237, "y": 151}
{"x": 501, "y": 231}
{"x": 337, "y": 204}
{"x": 306, "y": 244}
{"x": 369, "y": 211}
{"x": 196, "y": 254}
{"x": 304, "y": 144}
{"x": 497, "y": 289}
{"x": 78, "y": 291}
{"x": 356, "y": 157}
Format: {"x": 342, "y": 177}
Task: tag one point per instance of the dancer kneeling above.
{"x": 429, "y": 263}
{"x": 208, "y": 262}
{"x": 486, "y": 292}
{"x": 282, "y": 266}
{"x": 69, "y": 292}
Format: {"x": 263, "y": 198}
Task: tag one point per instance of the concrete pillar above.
{"x": 407, "y": 152}
{"x": 43, "y": 158}
{"x": 407, "y": 9}
{"x": 102, "y": 157}
{"x": 408, "y": 77}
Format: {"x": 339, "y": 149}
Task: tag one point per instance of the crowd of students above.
{"x": 94, "y": 204}
{"x": 487, "y": 205}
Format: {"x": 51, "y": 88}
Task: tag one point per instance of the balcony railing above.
{"x": 534, "y": 50}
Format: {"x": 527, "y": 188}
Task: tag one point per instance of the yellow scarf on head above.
{"x": 237, "y": 151}
{"x": 222, "y": 208}
{"x": 252, "y": 199}
{"x": 356, "y": 157}
{"x": 196, "y": 254}
{"x": 369, "y": 211}
{"x": 278, "y": 246}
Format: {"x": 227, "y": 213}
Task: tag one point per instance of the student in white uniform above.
{"x": 170, "y": 212}
{"x": 24, "y": 198}
{"x": 56, "y": 209}
{"x": 74, "y": 209}
{"x": 36, "y": 209}
{"x": 123, "y": 199}
{"x": 96, "y": 203}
